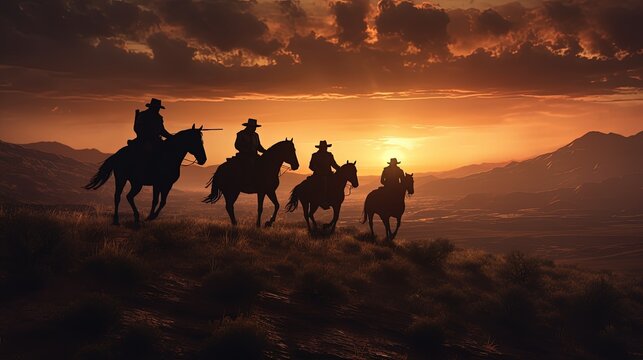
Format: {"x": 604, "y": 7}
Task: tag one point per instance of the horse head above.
{"x": 287, "y": 153}
{"x": 349, "y": 172}
{"x": 408, "y": 183}
{"x": 192, "y": 141}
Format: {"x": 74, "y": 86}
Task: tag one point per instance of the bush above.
{"x": 520, "y": 269}
{"x": 31, "y": 247}
{"x": 116, "y": 268}
{"x": 90, "y": 317}
{"x": 426, "y": 336}
{"x": 234, "y": 285}
{"x": 390, "y": 273}
{"x": 317, "y": 285}
{"x": 430, "y": 254}
{"x": 517, "y": 311}
{"x": 236, "y": 339}
{"x": 597, "y": 306}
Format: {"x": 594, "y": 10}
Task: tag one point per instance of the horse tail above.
{"x": 293, "y": 202}
{"x": 215, "y": 191}
{"x": 103, "y": 173}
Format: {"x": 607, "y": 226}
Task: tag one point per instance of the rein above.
{"x": 350, "y": 189}
{"x": 191, "y": 162}
{"x": 284, "y": 169}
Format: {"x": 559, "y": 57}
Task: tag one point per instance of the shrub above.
{"x": 116, "y": 268}
{"x": 517, "y": 311}
{"x": 236, "y": 339}
{"x": 520, "y": 269}
{"x": 234, "y": 285}
{"x": 431, "y": 254}
{"x": 390, "y": 273}
{"x": 597, "y": 306}
{"x": 316, "y": 284}
{"x": 31, "y": 247}
{"x": 90, "y": 317}
{"x": 426, "y": 336}
{"x": 350, "y": 247}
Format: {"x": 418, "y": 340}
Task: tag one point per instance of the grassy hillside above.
{"x": 73, "y": 286}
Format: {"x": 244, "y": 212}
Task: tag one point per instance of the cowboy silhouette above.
{"x": 148, "y": 124}
{"x": 322, "y": 164}
{"x": 248, "y": 145}
{"x": 392, "y": 175}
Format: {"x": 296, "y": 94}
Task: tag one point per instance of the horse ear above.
{"x": 193, "y": 126}
{"x": 292, "y": 139}
{"x": 346, "y": 161}
{"x": 411, "y": 174}
{"x": 201, "y": 128}
{"x": 354, "y": 162}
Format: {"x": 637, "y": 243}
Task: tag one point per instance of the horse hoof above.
{"x": 268, "y": 224}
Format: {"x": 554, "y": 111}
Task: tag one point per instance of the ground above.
{"x": 75, "y": 286}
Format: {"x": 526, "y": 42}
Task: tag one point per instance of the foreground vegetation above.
{"x": 73, "y": 286}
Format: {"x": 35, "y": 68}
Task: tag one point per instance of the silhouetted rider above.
{"x": 392, "y": 175}
{"x": 321, "y": 163}
{"x": 148, "y": 124}
{"x": 248, "y": 144}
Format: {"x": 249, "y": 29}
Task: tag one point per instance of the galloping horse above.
{"x": 167, "y": 165}
{"x": 227, "y": 180}
{"x": 311, "y": 197}
{"x": 388, "y": 203}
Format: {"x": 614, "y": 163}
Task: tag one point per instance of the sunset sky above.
{"x": 435, "y": 84}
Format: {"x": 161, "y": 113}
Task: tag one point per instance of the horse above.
{"x": 227, "y": 180}
{"x": 311, "y": 197}
{"x": 388, "y": 203}
{"x": 126, "y": 166}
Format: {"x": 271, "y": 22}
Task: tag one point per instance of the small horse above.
{"x": 311, "y": 197}
{"x": 227, "y": 180}
{"x": 126, "y": 166}
{"x": 388, "y": 203}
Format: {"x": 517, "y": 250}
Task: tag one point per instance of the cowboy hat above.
{"x": 323, "y": 144}
{"x": 155, "y": 103}
{"x": 394, "y": 161}
{"x": 251, "y": 122}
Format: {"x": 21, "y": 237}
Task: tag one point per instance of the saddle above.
{"x": 320, "y": 183}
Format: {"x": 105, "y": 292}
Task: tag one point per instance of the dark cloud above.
{"x": 292, "y": 10}
{"x": 490, "y": 22}
{"x": 224, "y": 24}
{"x": 624, "y": 26}
{"x": 350, "y": 17}
{"x": 424, "y": 25}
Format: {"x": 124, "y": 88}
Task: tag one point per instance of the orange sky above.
{"x": 437, "y": 85}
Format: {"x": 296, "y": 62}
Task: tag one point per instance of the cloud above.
{"x": 423, "y": 25}
{"x": 224, "y": 24}
{"x": 350, "y": 17}
{"x": 491, "y": 22}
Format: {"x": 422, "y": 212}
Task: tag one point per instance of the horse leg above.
{"x": 164, "y": 193}
{"x": 397, "y": 227}
{"x": 313, "y": 208}
{"x": 387, "y": 225}
{"x": 133, "y": 191}
{"x": 273, "y": 197}
{"x": 306, "y": 208}
{"x": 333, "y": 222}
{"x": 260, "y": 198}
{"x": 155, "y": 200}
{"x": 118, "y": 190}
{"x": 230, "y": 199}
{"x": 370, "y": 224}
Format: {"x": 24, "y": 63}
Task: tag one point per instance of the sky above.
{"x": 435, "y": 84}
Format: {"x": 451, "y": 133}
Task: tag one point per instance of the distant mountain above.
{"x": 464, "y": 170}
{"x": 32, "y": 176}
{"x": 91, "y": 156}
{"x": 591, "y": 158}
{"x": 616, "y": 194}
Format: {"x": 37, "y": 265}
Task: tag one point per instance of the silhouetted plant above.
{"x": 431, "y": 254}
{"x": 236, "y": 339}
{"x": 317, "y": 285}
{"x": 390, "y": 273}
{"x": 116, "y": 268}
{"x": 520, "y": 269}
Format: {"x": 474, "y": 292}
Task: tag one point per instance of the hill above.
{"x": 91, "y": 156}
{"x": 592, "y": 158}
{"x": 194, "y": 288}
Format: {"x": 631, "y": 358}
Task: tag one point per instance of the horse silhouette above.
{"x": 227, "y": 180}
{"x": 126, "y": 166}
{"x": 311, "y": 197}
{"x": 387, "y": 203}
